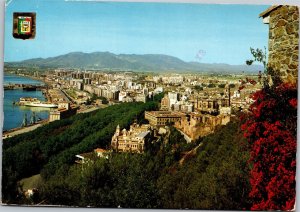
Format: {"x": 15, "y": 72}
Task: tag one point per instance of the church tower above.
{"x": 227, "y": 93}
{"x": 117, "y": 130}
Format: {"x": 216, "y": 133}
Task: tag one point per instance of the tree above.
{"x": 231, "y": 85}
{"x": 104, "y": 100}
{"x": 198, "y": 88}
{"x": 221, "y": 85}
{"x": 259, "y": 56}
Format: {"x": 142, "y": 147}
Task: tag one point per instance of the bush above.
{"x": 271, "y": 131}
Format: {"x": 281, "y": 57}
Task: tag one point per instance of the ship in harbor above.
{"x": 41, "y": 104}
{"x": 34, "y": 102}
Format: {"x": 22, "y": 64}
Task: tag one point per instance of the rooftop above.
{"x": 165, "y": 113}
{"x": 143, "y": 134}
{"x": 269, "y": 10}
{"x": 99, "y": 150}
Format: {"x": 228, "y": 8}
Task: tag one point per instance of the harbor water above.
{"x": 14, "y": 114}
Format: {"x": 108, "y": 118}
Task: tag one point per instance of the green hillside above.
{"x": 215, "y": 176}
{"x": 55, "y": 145}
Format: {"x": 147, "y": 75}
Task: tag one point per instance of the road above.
{"x": 20, "y": 131}
{"x": 67, "y": 97}
{"x": 86, "y": 110}
{"x": 190, "y": 153}
{"x": 33, "y": 127}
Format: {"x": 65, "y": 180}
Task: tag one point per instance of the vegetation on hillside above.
{"x": 213, "y": 174}
{"x": 215, "y": 177}
{"x": 54, "y": 145}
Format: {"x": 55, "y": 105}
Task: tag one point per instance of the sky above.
{"x": 207, "y": 33}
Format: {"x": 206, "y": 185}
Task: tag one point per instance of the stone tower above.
{"x": 283, "y": 23}
{"x": 165, "y": 103}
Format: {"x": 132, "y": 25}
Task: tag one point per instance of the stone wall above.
{"x": 284, "y": 42}
{"x": 194, "y": 127}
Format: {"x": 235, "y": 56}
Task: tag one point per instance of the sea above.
{"x": 14, "y": 114}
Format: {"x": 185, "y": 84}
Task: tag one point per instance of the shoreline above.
{"x": 32, "y": 78}
{"x": 42, "y": 94}
{"x": 25, "y": 76}
{"x": 20, "y": 130}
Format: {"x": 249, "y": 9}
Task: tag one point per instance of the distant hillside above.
{"x": 134, "y": 62}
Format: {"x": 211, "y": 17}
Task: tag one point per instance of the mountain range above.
{"x": 132, "y": 62}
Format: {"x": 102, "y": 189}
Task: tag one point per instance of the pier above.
{"x": 26, "y": 87}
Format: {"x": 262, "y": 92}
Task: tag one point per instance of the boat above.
{"x": 41, "y": 104}
{"x": 34, "y": 102}
{"x": 25, "y": 100}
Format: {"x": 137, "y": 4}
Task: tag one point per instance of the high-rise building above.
{"x": 173, "y": 97}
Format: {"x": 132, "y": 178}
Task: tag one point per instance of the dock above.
{"x": 26, "y": 87}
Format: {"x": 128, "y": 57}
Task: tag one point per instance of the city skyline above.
{"x": 130, "y": 28}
